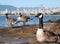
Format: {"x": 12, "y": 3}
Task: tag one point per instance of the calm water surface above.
{"x": 35, "y": 20}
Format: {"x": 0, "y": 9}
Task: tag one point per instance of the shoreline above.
{"x": 32, "y": 15}
{"x": 27, "y": 31}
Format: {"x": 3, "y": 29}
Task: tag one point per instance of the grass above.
{"x": 28, "y": 31}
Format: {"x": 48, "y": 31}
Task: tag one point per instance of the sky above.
{"x": 31, "y": 3}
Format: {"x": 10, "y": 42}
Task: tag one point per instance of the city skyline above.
{"x": 31, "y": 3}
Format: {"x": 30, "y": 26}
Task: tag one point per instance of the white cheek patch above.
{"x": 40, "y": 16}
{"x": 18, "y": 18}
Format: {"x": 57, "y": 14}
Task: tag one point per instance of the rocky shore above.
{"x": 28, "y": 31}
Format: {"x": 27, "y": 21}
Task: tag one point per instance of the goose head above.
{"x": 6, "y": 14}
{"x": 39, "y": 15}
{"x": 20, "y": 14}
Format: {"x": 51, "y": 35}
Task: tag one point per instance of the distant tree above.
{"x": 56, "y": 13}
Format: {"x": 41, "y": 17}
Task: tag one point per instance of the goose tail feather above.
{"x": 59, "y": 35}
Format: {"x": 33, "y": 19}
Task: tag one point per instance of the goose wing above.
{"x": 26, "y": 17}
{"x": 11, "y": 20}
{"x": 49, "y": 33}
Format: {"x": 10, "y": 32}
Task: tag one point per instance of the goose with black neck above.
{"x": 45, "y": 35}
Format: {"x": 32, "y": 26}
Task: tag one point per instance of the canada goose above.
{"x": 10, "y": 21}
{"x": 43, "y": 35}
{"x": 23, "y": 19}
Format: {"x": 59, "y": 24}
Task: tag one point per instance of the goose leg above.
{"x": 9, "y": 25}
{"x": 24, "y": 23}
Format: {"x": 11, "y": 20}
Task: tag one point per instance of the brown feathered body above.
{"x": 24, "y": 18}
{"x": 10, "y": 21}
{"x": 45, "y": 35}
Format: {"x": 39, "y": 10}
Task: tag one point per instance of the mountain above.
{"x": 29, "y": 8}
{"x": 9, "y": 7}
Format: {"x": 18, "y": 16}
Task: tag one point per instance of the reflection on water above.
{"x": 16, "y": 40}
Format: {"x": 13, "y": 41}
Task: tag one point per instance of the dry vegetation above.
{"x": 28, "y": 31}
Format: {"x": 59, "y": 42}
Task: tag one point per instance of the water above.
{"x": 35, "y": 20}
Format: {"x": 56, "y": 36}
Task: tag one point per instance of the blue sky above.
{"x": 31, "y": 3}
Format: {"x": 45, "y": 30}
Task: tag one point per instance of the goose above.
{"x": 10, "y": 21}
{"x": 45, "y": 35}
{"x": 23, "y": 19}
